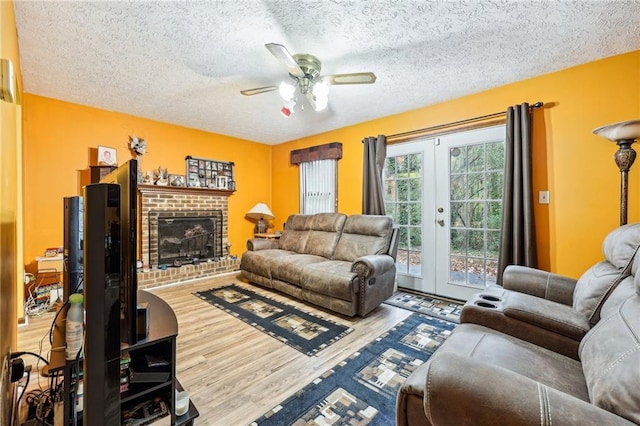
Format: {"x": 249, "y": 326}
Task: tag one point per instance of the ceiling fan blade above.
{"x": 258, "y": 90}
{"x": 282, "y": 54}
{"x": 354, "y": 78}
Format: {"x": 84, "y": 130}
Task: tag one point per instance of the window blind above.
{"x": 318, "y": 186}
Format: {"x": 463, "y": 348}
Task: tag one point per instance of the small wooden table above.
{"x": 267, "y": 236}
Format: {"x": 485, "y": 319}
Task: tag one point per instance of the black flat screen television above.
{"x": 72, "y": 245}
{"x": 127, "y": 177}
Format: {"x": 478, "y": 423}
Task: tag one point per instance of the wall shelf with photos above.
{"x": 209, "y": 174}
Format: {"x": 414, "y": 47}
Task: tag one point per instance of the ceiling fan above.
{"x": 304, "y": 69}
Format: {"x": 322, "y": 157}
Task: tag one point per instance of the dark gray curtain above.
{"x": 518, "y": 237}
{"x": 375, "y": 152}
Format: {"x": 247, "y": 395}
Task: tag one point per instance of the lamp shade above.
{"x": 624, "y": 130}
{"x": 260, "y": 211}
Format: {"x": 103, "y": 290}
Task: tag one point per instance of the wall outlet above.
{"x": 543, "y": 197}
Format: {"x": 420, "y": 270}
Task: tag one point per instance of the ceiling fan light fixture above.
{"x": 287, "y": 91}
{"x": 321, "y": 95}
{"x": 288, "y": 108}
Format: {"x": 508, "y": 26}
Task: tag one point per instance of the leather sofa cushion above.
{"x": 363, "y": 235}
{"x": 296, "y": 232}
{"x": 595, "y": 285}
{"x": 324, "y": 234}
{"x": 332, "y": 278}
{"x": 610, "y": 355}
{"x": 529, "y": 360}
{"x": 290, "y": 268}
{"x": 259, "y": 262}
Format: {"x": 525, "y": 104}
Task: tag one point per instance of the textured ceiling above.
{"x": 185, "y": 62}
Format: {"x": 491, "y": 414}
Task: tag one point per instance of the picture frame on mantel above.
{"x": 176, "y": 180}
{"x": 211, "y": 174}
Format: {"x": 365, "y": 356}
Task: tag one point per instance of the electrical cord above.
{"x": 27, "y": 370}
{"x": 19, "y": 354}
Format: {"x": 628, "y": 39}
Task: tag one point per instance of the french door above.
{"x": 445, "y": 195}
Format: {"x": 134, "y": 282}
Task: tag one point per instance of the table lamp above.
{"x": 260, "y": 212}
{"x": 624, "y": 134}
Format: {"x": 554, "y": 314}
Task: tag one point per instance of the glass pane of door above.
{"x": 470, "y": 175}
{"x": 403, "y": 202}
{"x": 476, "y": 207}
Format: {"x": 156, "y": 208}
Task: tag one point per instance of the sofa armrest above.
{"x": 376, "y": 277}
{"x": 255, "y": 244}
{"x": 536, "y": 282}
{"x": 372, "y": 265}
{"x": 466, "y": 391}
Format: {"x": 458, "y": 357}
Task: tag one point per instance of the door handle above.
{"x": 440, "y": 222}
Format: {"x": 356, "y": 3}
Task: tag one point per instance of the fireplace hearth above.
{"x": 177, "y": 237}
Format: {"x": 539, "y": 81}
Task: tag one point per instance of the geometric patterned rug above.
{"x": 303, "y": 331}
{"x": 426, "y": 304}
{"x": 362, "y": 389}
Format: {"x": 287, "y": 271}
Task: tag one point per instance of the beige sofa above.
{"x": 339, "y": 262}
{"x": 518, "y": 363}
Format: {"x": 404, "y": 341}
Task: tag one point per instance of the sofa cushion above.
{"x": 595, "y": 285}
{"x": 363, "y": 235}
{"x": 332, "y": 278}
{"x": 325, "y": 229}
{"x": 610, "y": 355}
{"x": 289, "y": 269}
{"x": 259, "y": 262}
{"x": 529, "y": 360}
{"x": 296, "y": 232}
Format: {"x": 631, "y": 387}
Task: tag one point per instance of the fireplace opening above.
{"x": 177, "y": 238}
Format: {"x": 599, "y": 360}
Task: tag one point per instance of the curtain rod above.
{"x": 457, "y": 123}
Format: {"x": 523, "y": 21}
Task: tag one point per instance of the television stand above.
{"x": 159, "y": 344}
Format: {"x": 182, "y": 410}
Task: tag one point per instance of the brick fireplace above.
{"x": 182, "y": 202}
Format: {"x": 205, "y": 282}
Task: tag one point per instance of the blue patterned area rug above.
{"x": 426, "y": 304}
{"x": 301, "y": 330}
{"x": 362, "y": 389}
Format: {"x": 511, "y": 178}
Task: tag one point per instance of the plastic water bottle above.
{"x": 74, "y": 330}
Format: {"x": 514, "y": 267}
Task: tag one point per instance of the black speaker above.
{"x": 102, "y": 276}
{"x": 72, "y": 245}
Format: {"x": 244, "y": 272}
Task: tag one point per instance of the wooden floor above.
{"x": 233, "y": 372}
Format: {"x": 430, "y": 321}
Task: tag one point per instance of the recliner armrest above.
{"x": 539, "y": 283}
{"x": 376, "y": 278}
{"x": 547, "y": 314}
{"x": 466, "y": 391}
{"x": 372, "y": 265}
{"x": 255, "y": 244}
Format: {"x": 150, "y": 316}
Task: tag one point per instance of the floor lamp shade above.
{"x": 260, "y": 212}
{"x": 624, "y": 134}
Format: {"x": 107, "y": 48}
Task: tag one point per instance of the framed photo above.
{"x": 107, "y": 156}
{"x": 176, "y": 180}
{"x": 212, "y": 174}
{"x": 221, "y": 182}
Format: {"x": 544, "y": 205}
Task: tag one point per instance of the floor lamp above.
{"x": 624, "y": 134}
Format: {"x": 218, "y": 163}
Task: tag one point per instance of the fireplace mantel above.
{"x": 162, "y": 189}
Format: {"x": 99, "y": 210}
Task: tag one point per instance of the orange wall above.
{"x": 60, "y": 140}
{"x": 575, "y": 165}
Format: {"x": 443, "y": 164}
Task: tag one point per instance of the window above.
{"x": 318, "y": 186}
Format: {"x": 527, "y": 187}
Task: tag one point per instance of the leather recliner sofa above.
{"x": 483, "y": 376}
{"x": 339, "y": 262}
{"x": 551, "y": 310}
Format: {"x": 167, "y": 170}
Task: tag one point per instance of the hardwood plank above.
{"x": 233, "y": 372}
